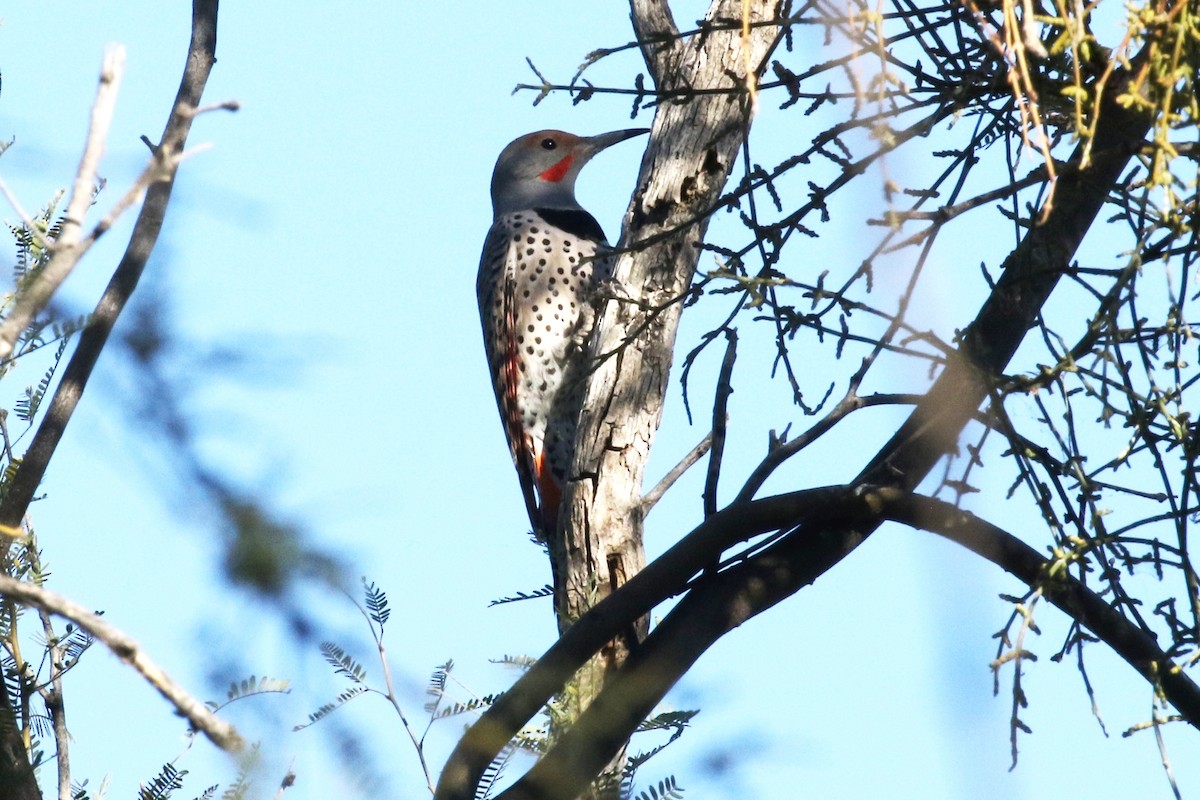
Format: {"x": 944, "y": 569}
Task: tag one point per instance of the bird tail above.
{"x": 550, "y": 494}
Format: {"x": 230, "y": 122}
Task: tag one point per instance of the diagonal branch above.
{"x": 665, "y": 577}
{"x": 1136, "y": 646}
{"x": 66, "y": 249}
{"x": 720, "y": 419}
{"x": 651, "y": 498}
{"x": 1030, "y": 274}
{"x": 720, "y": 603}
{"x": 221, "y": 733}
{"x": 201, "y": 57}
{"x": 16, "y": 774}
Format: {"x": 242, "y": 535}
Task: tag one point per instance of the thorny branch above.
{"x": 937, "y": 63}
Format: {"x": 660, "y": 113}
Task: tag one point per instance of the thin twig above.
{"x": 52, "y": 696}
{"x": 719, "y": 419}
{"x": 65, "y": 255}
{"x": 651, "y": 498}
{"x": 390, "y": 695}
{"x": 26, "y": 220}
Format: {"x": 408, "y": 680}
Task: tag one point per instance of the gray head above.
{"x": 538, "y": 170}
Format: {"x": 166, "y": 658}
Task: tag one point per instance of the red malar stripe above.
{"x": 558, "y": 171}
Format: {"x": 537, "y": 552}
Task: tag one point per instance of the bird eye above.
{"x": 549, "y": 144}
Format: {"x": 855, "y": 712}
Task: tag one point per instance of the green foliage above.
{"x": 377, "y": 604}
{"x": 33, "y": 253}
{"x": 73, "y": 645}
{"x": 343, "y": 664}
{"x": 436, "y": 689}
{"x": 674, "y": 721}
{"x": 494, "y": 772}
{"x": 545, "y": 591}
{"x": 520, "y": 662}
{"x": 669, "y": 720}
{"x": 249, "y": 687}
{"x": 474, "y": 704}
{"x": 26, "y": 407}
{"x": 240, "y": 788}
{"x": 328, "y": 708}
{"x": 168, "y": 779}
{"x": 667, "y": 789}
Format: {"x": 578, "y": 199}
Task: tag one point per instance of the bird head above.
{"x": 538, "y": 170}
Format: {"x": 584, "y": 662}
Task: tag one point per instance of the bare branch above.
{"x": 718, "y": 603}
{"x": 719, "y": 419}
{"x": 33, "y": 297}
{"x": 16, "y": 773}
{"x": 1031, "y": 272}
{"x": 651, "y": 498}
{"x": 201, "y": 57}
{"x": 657, "y": 36}
{"x": 665, "y": 577}
{"x": 781, "y": 449}
{"x": 221, "y": 733}
{"x": 1136, "y": 646}
{"x": 52, "y": 696}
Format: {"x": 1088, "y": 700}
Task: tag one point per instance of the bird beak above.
{"x": 599, "y": 142}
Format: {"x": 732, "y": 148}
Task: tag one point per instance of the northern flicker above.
{"x": 537, "y": 284}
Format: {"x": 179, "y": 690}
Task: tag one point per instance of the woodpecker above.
{"x": 542, "y": 262}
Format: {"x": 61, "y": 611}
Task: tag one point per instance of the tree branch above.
{"x": 719, "y": 419}
{"x": 665, "y": 577}
{"x": 65, "y": 250}
{"x": 717, "y": 604}
{"x": 1030, "y": 274}
{"x": 1136, "y": 646}
{"x": 221, "y": 733}
{"x": 52, "y": 696}
{"x": 16, "y": 774}
{"x": 651, "y": 498}
{"x": 657, "y": 36}
{"x": 201, "y": 57}
{"x": 692, "y": 149}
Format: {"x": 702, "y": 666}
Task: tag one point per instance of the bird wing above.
{"x": 496, "y": 290}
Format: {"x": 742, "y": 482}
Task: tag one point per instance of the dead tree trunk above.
{"x": 693, "y": 146}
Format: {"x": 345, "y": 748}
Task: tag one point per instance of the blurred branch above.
{"x": 66, "y": 248}
{"x": 221, "y": 733}
{"x": 16, "y": 773}
{"x": 201, "y": 57}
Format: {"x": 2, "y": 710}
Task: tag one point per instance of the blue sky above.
{"x": 331, "y": 234}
